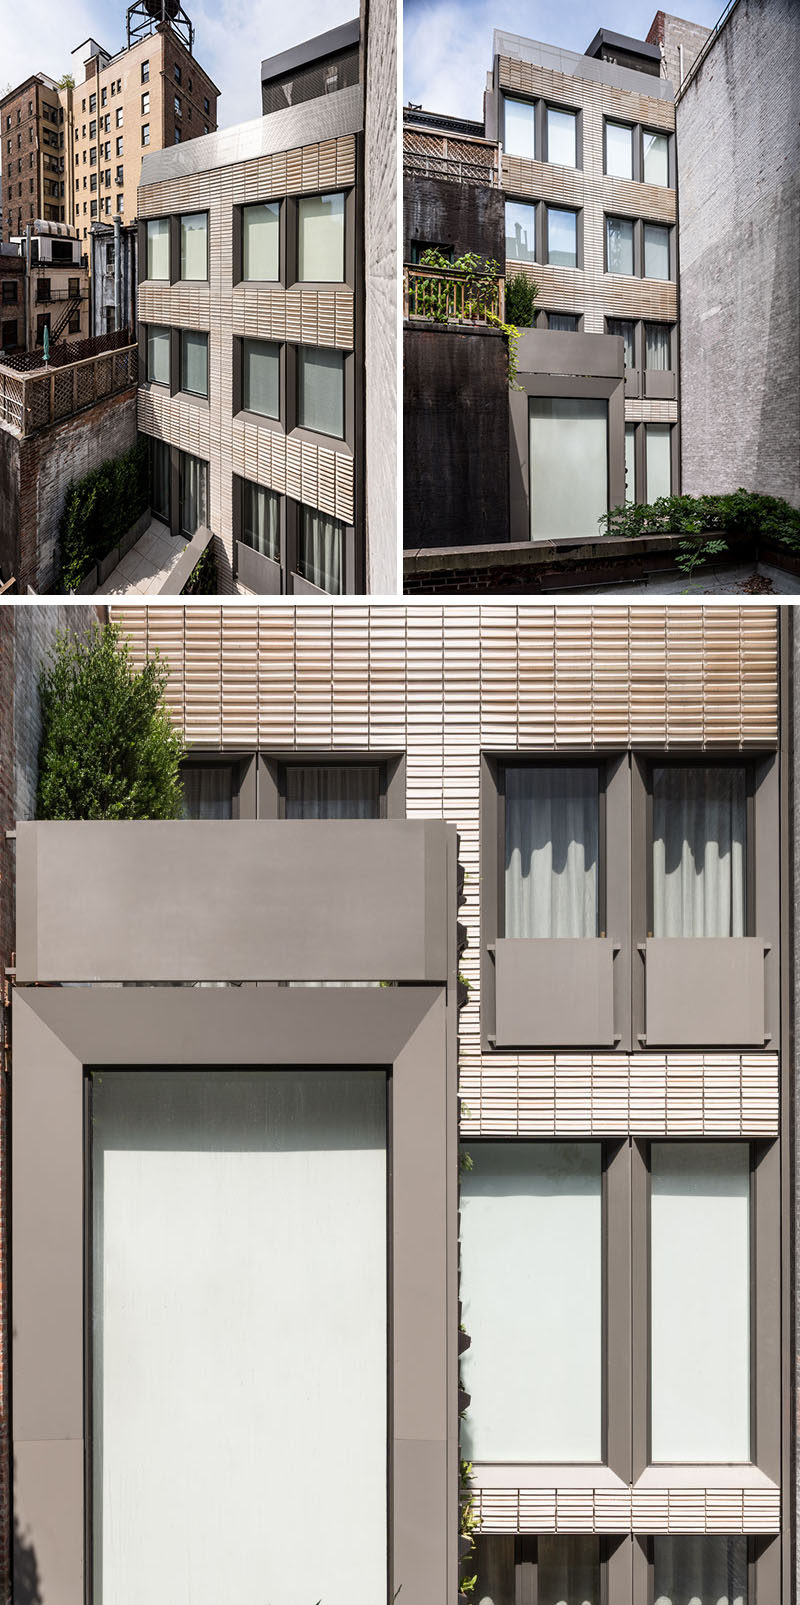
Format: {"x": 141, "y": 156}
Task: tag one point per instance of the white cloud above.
{"x": 234, "y": 36}
{"x": 447, "y": 51}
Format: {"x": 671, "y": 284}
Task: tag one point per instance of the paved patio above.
{"x": 715, "y": 582}
{"x": 148, "y": 565}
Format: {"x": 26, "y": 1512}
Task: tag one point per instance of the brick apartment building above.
{"x": 601, "y": 796}
{"x": 36, "y": 154}
{"x": 12, "y": 299}
{"x": 570, "y": 181}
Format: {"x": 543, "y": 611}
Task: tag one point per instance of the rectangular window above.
{"x": 320, "y": 552}
{"x": 159, "y": 479}
{"x": 568, "y": 456}
{"x": 119, "y": 116}
{"x": 92, "y": 103}
{"x": 158, "y": 248}
{"x": 551, "y": 1571}
{"x": 194, "y": 362}
{"x": 194, "y": 245}
{"x": 700, "y": 1301}
{"x": 177, "y": 105}
{"x": 145, "y": 133}
{"x": 619, "y": 245}
{"x": 551, "y": 850}
{"x": 260, "y": 239}
{"x": 103, "y": 96}
{"x": 658, "y": 460}
{"x": 158, "y": 341}
{"x": 193, "y": 492}
{"x": 320, "y": 390}
{"x": 239, "y": 1249}
{"x": 699, "y": 850}
{"x": 145, "y": 102}
{"x": 562, "y": 237}
{"x": 532, "y": 1291}
{"x": 656, "y": 251}
{"x": 519, "y": 128}
{"x": 177, "y": 73}
{"x": 320, "y": 239}
{"x": 563, "y": 322}
{"x": 520, "y": 232}
{"x": 207, "y": 791}
{"x": 619, "y": 150}
{"x": 261, "y": 521}
{"x": 145, "y": 72}
{"x": 657, "y": 347}
{"x": 119, "y": 145}
{"x": 261, "y": 377}
{"x": 9, "y": 292}
{"x": 332, "y": 791}
{"x": 703, "y": 1570}
{"x": 630, "y": 462}
{"x": 562, "y": 141}
{"x": 656, "y": 158}
{"x": 626, "y": 328}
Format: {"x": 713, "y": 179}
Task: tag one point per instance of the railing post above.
{"x": 52, "y": 395}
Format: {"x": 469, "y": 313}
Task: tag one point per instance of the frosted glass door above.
{"x": 239, "y": 1337}
{"x": 700, "y": 1301}
{"x": 568, "y": 466}
{"x": 531, "y": 1287}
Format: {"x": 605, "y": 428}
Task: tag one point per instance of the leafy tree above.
{"x": 67, "y": 82}
{"x": 521, "y": 295}
{"x": 108, "y": 749}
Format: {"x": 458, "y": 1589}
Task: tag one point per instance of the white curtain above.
{"x": 260, "y": 235}
{"x": 194, "y": 245}
{"x": 568, "y": 1571}
{"x": 320, "y": 559}
{"x": 699, "y": 824}
{"x": 194, "y": 494}
{"x": 207, "y": 791}
{"x": 700, "y": 1571}
{"x": 531, "y": 1285}
{"x": 158, "y": 341}
{"x": 320, "y": 239}
{"x": 619, "y": 150}
{"x": 519, "y": 127}
{"x": 551, "y": 851}
{"x": 656, "y": 251}
{"x": 158, "y": 248}
{"x": 328, "y": 791}
{"x": 261, "y": 528}
{"x": 619, "y": 245}
{"x": 565, "y": 322}
{"x": 321, "y": 390}
{"x": 261, "y": 377}
{"x": 656, "y": 162}
{"x": 657, "y": 347}
{"x": 561, "y": 137}
{"x": 624, "y": 327}
{"x": 239, "y": 1336}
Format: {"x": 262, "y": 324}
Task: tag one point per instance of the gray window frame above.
{"x": 243, "y": 767}
{"x": 577, "y": 213}
{"x": 195, "y": 396}
{"x": 238, "y": 242}
{"x": 541, "y": 104}
{"x": 274, "y": 761}
{"x": 261, "y": 419}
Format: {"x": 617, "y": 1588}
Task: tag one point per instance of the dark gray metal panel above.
{"x": 584, "y": 355}
{"x": 260, "y": 574}
{"x": 346, "y": 900}
{"x": 325, "y": 44}
{"x": 659, "y": 386}
{"x": 328, "y": 117}
{"x": 554, "y": 992}
{"x": 704, "y": 991}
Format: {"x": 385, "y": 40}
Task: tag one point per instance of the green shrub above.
{"x": 108, "y": 749}
{"x": 99, "y": 510}
{"x": 740, "y": 512}
{"x": 203, "y": 579}
{"x": 521, "y": 293}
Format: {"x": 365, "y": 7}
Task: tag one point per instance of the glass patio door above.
{"x": 568, "y": 459}
{"x": 193, "y": 510}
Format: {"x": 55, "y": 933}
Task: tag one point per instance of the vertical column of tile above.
{"x": 203, "y": 675}
{"x": 313, "y": 676}
{"x": 425, "y": 762}
{"x": 461, "y": 795}
{"x": 387, "y": 679}
{"x": 350, "y": 678}
{"x": 276, "y": 679}
{"x": 239, "y": 672}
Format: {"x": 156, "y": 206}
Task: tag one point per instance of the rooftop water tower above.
{"x": 145, "y": 16}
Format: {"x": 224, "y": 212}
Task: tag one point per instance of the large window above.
{"x": 261, "y": 377}
{"x": 260, "y": 236}
{"x": 158, "y": 248}
{"x": 656, "y": 251}
{"x": 532, "y": 1295}
{"x": 320, "y": 238}
{"x": 194, "y": 245}
{"x": 320, "y": 389}
{"x": 568, "y": 465}
{"x": 239, "y": 1263}
{"x": 320, "y": 550}
{"x": 551, "y": 850}
{"x": 520, "y": 231}
{"x": 700, "y": 1571}
{"x": 562, "y": 237}
{"x": 332, "y": 791}
{"x": 699, "y": 850}
{"x": 193, "y": 494}
{"x": 619, "y": 150}
{"x": 550, "y": 1570}
{"x": 656, "y": 158}
{"x": 626, "y": 328}
{"x": 261, "y": 520}
{"x": 657, "y": 340}
{"x": 700, "y": 1301}
{"x": 207, "y": 791}
{"x": 619, "y": 245}
{"x": 158, "y": 348}
{"x": 519, "y": 127}
{"x": 194, "y": 362}
{"x": 563, "y": 322}
{"x": 561, "y": 137}
{"x": 658, "y": 460}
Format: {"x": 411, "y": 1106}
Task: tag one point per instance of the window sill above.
{"x": 317, "y": 438}
{"x": 710, "y": 1474}
{"x": 563, "y": 1474}
{"x": 191, "y": 398}
{"x": 259, "y": 420}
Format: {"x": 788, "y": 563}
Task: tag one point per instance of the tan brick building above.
{"x": 36, "y": 152}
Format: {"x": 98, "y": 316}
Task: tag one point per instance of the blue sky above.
{"x": 231, "y": 39}
{"x": 447, "y": 44}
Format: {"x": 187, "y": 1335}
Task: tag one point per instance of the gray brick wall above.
{"x": 739, "y": 187}
{"x": 672, "y": 33}
{"x": 380, "y": 245}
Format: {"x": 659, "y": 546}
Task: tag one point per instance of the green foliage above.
{"x": 203, "y": 579}
{"x": 741, "y": 512}
{"x": 521, "y": 293}
{"x": 478, "y": 275}
{"x": 693, "y": 551}
{"x": 67, "y": 82}
{"x": 99, "y": 510}
{"x": 108, "y": 749}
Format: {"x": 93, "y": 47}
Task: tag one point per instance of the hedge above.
{"x": 99, "y": 510}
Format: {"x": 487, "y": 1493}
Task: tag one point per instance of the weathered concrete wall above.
{"x": 380, "y": 246}
{"x": 455, "y": 438}
{"x": 467, "y": 217}
{"x": 39, "y": 470}
{"x": 739, "y": 185}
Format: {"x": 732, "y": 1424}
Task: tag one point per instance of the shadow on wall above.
{"x": 25, "y": 1571}
{"x": 777, "y": 461}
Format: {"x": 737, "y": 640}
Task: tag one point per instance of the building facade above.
{"x": 55, "y": 285}
{"x": 114, "y": 278}
{"x": 36, "y": 124}
{"x": 12, "y": 300}
{"x": 613, "y": 789}
{"x": 251, "y": 307}
{"x": 740, "y": 214}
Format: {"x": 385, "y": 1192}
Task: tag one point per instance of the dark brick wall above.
{"x": 456, "y": 427}
{"x": 467, "y": 217}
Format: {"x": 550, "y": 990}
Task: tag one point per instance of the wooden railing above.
{"x": 31, "y": 401}
{"x": 458, "y": 159}
{"x": 451, "y": 297}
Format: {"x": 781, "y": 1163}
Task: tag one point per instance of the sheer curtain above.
{"x": 551, "y": 851}
{"x": 207, "y": 791}
{"x": 194, "y": 494}
{"x": 657, "y": 347}
{"x": 700, "y": 1571}
{"x": 699, "y": 824}
{"x": 327, "y": 791}
{"x": 320, "y": 559}
{"x": 261, "y": 528}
